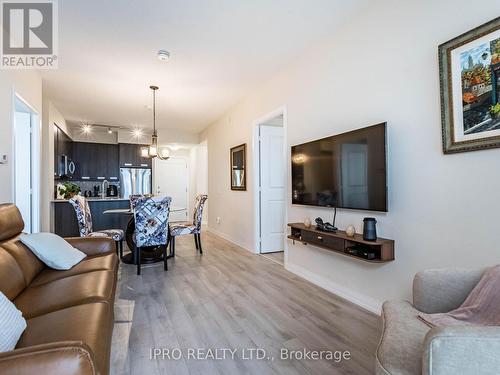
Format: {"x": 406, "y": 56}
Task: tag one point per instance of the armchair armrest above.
{"x": 439, "y": 291}
{"x": 58, "y": 358}
{"x": 462, "y": 350}
{"x": 92, "y": 245}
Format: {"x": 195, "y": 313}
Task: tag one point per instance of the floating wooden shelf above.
{"x": 339, "y": 242}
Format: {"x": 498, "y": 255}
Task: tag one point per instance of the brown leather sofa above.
{"x": 69, "y": 314}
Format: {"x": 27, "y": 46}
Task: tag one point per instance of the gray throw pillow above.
{"x": 12, "y": 324}
{"x": 52, "y": 250}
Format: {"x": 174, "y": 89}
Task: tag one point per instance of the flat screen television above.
{"x": 347, "y": 170}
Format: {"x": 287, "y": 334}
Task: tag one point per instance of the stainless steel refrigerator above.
{"x": 135, "y": 181}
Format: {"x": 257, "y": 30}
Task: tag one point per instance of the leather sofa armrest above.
{"x": 58, "y": 358}
{"x": 461, "y": 350}
{"x": 93, "y": 245}
{"x": 443, "y": 290}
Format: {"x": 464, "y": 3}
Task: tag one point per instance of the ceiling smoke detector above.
{"x": 163, "y": 55}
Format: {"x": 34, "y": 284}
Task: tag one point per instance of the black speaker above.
{"x": 369, "y": 229}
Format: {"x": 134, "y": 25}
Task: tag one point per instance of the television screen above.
{"x": 347, "y": 170}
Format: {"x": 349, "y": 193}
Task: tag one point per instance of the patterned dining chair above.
{"x": 151, "y": 225}
{"x": 84, "y": 218}
{"x": 194, "y": 228}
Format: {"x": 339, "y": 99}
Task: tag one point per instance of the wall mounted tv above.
{"x": 347, "y": 170}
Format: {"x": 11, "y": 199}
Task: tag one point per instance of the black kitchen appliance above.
{"x": 112, "y": 191}
{"x": 66, "y": 167}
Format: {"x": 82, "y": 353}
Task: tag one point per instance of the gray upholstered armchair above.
{"x": 409, "y": 346}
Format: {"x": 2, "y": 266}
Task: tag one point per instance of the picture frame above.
{"x": 237, "y": 157}
{"x": 469, "y": 75}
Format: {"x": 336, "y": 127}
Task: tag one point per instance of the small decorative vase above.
{"x": 350, "y": 230}
{"x": 307, "y": 222}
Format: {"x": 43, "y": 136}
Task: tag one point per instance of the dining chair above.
{"x": 194, "y": 228}
{"x": 151, "y": 225}
{"x": 84, "y": 218}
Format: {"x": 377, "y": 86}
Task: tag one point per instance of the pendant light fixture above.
{"x": 152, "y": 150}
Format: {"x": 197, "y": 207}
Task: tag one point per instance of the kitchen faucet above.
{"x": 103, "y": 194}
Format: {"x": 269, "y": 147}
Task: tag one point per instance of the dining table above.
{"x": 151, "y": 254}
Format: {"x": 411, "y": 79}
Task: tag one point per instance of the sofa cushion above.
{"x": 12, "y": 280}
{"x": 11, "y": 221}
{"x": 401, "y": 347}
{"x": 70, "y": 291}
{"x": 107, "y": 262}
{"x": 28, "y": 262}
{"x": 88, "y": 323}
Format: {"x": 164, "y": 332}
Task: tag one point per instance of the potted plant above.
{"x": 495, "y": 110}
{"x": 69, "y": 190}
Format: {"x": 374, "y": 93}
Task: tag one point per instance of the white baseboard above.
{"x": 361, "y": 300}
{"x": 230, "y": 239}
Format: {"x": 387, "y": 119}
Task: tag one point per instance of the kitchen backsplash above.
{"x": 89, "y": 186}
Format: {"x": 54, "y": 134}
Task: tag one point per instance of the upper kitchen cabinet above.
{"x": 112, "y": 165}
{"x": 96, "y": 161}
{"x": 130, "y": 156}
{"x": 63, "y": 146}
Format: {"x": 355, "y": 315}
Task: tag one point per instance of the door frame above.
{"x": 36, "y": 157}
{"x": 256, "y": 172}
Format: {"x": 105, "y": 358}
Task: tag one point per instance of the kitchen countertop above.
{"x": 94, "y": 199}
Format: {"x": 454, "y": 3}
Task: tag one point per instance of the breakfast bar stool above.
{"x": 84, "y": 218}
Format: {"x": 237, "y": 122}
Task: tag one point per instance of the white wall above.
{"x": 198, "y": 178}
{"x": 28, "y": 85}
{"x": 381, "y": 66}
{"x": 50, "y": 117}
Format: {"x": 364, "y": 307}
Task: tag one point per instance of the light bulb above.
{"x": 165, "y": 152}
{"x": 152, "y": 151}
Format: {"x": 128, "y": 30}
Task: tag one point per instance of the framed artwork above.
{"x": 238, "y": 161}
{"x": 469, "y": 69}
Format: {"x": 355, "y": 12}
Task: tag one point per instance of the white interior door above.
{"x": 171, "y": 179}
{"x": 22, "y": 166}
{"x": 272, "y": 184}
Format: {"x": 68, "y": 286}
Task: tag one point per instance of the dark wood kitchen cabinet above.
{"x": 112, "y": 163}
{"x": 130, "y": 156}
{"x": 96, "y": 161}
{"x": 63, "y": 145}
{"x": 65, "y": 224}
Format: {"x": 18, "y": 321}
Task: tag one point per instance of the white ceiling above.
{"x": 220, "y": 49}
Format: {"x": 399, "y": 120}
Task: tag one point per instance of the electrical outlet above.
{"x": 3, "y": 159}
{"x": 218, "y": 219}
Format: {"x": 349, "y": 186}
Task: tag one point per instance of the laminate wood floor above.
{"x": 278, "y": 257}
{"x": 228, "y": 298}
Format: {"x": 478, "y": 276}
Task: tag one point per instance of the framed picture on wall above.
{"x": 238, "y": 162}
{"x": 469, "y": 69}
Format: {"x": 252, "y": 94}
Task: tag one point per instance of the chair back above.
{"x": 198, "y": 210}
{"x": 151, "y": 220}
{"x": 134, "y": 198}
{"x": 83, "y": 215}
